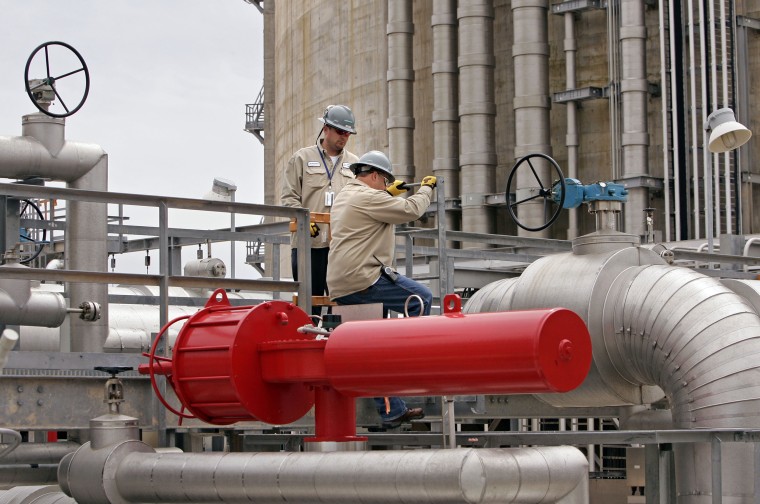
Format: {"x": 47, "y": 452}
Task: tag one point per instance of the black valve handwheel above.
{"x": 552, "y": 209}
{"x": 31, "y": 211}
{"x": 52, "y": 80}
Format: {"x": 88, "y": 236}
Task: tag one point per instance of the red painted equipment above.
{"x": 246, "y": 363}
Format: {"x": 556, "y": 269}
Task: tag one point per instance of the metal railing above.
{"x": 164, "y": 239}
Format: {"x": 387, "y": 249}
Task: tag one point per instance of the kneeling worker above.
{"x": 359, "y": 271}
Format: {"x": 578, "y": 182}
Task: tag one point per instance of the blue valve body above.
{"x": 577, "y": 193}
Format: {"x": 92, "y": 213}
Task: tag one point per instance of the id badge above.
{"x": 329, "y": 197}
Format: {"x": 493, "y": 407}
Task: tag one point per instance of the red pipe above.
{"x": 519, "y": 352}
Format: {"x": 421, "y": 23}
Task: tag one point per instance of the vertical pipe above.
{"x": 532, "y": 102}
{"x": 743, "y": 156}
{"x": 726, "y": 156}
{"x": 87, "y": 250}
{"x": 675, "y": 114}
{"x": 694, "y": 113}
{"x": 400, "y": 77}
{"x": 445, "y": 103}
{"x": 613, "y": 55}
{"x": 477, "y": 112}
{"x": 590, "y": 448}
{"x": 634, "y": 90}
{"x": 714, "y": 106}
{"x": 572, "y": 121}
{"x": 666, "y": 98}
{"x": 707, "y": 165}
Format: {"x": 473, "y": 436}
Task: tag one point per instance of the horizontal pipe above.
{"x": 507, "y": 352}
{"x": 464, "y": 475}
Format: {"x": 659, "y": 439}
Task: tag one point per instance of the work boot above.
{"x": 409, "y": 415}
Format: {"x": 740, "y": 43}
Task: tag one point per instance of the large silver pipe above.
{"x": 477, "y": 113}
{"x": 33, "y": 463}
{"x": 400, "y": 89}
{"x": 20, "y": 305}
{"x": 87, "y": 250}
{"x": 42, "y": 151}
{"x": 530, "y": 54}
{"x": 548, "y": 474}
{"x": 655, "y": 329}
{"x": 634, "y": 89}
{"x": 48, "y": 494}
{"x": 445, "y": 103}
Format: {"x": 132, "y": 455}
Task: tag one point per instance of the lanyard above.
{"x": 324, "y": 163}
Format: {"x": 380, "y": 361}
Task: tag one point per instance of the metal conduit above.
{"x": 477, "y": 113}
{"x": 43, "y": 151}
{"x": 572, "y": 140}
{"x": 43, "y": 309}
{"x": 521, "y": 475}
{"x": 694, "y": 112}
{"x": 445, "y": 102}
{"x": 654, "y": 328}
{"x": 400, "y": 89}
{"x": 50, "y": 494}
{"x": 699, "y": 342}
{"x": 532, "y": 102}
{"x": 634, "y": 90}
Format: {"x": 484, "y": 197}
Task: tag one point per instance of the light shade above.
{"x": 726, "y": 134}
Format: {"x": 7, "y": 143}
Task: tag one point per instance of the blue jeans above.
{"x": 398, "y": 408}
{"x": 392, "y": 295}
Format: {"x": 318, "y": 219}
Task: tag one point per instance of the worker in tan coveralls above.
{"x": 312, "y": 179}
{"x": 361, "y": 255}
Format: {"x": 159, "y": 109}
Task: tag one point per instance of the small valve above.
{"x": 88, "y": 311}
{"x": 114, "y": 389}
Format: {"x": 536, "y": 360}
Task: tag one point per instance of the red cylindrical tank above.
{"x": 246, "y": 363}
{"x": 498, "y": 353}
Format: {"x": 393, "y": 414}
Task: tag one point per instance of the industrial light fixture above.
{"x": 221, "y": 190}
{"x": 726, "y": 134}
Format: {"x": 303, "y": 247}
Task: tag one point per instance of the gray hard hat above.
{"x": 341, "y": 117}
{"x": 374, "y": 160}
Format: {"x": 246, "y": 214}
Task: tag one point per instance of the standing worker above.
{"x": 312, "y": 179}
{"x": 363, "y": 243}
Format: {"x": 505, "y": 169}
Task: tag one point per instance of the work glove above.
{"x": 397, "y": 188}
{"x": 429, "y": 181}
{"x": 314, "y": 229}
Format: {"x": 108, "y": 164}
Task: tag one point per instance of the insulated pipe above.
{"x": 400, "y": 89}
{"x": 634, "y": 90}
{"x": 49, "y": 494}
{"x": 466, "y": 475}
{"x": 445, "y": 103}
{"x": 699, "y": 342}
{"x": 37, "y": 474}
{"x": 532, "y": 102}
{"x": 19, "y": 305}
{"x": 656, "y": 327}
{"x": 477, "y": 112}
{"x": 42, "y": 151}
{"x": 87, "y": 250}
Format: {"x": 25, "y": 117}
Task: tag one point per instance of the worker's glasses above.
{"x": 385, "y": 179}
{"x": 341, "y": 132}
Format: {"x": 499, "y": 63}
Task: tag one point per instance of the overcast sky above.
{"x": 169, "y": 84}
{"x": 169, "y": 80}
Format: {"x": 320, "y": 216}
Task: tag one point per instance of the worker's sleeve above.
{"x": 292, "y": 183}
{"x": 385, "y": 208}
